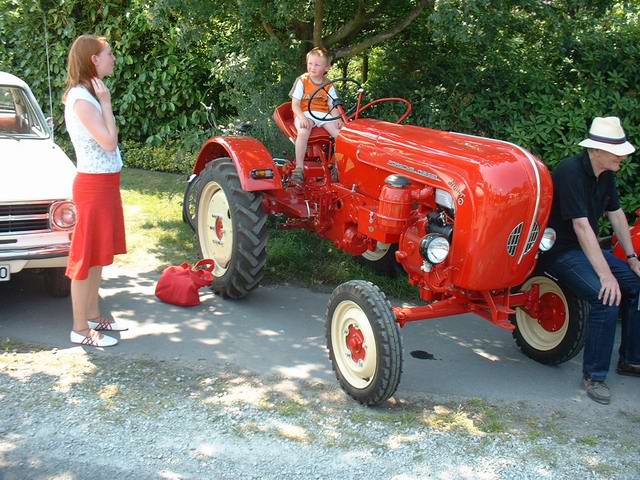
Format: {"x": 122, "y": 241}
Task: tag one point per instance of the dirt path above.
{"x": 76, "y": 414}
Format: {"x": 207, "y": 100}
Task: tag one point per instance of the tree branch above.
{"x": 350, "y": 27}
{"x": 318, "y": 23}
{"x": 271, "y": 31}
{"x": 381, "y": 37}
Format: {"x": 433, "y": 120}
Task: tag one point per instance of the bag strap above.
{"x": 208, "y": 264}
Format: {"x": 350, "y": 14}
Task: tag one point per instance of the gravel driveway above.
{"x": 76, "y": 414}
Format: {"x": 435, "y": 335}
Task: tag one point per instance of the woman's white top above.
{"x": 90, "y": 156}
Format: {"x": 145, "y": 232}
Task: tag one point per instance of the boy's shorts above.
{"x": 316, "y": 122}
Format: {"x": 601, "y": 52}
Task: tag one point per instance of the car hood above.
{"x": 34, "y": 169}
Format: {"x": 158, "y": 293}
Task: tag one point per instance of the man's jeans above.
{"x": 574, "y": 271}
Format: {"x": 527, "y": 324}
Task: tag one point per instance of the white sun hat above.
{"x": 606, "y": 134}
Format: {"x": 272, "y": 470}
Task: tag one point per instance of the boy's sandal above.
{"x": 92, "y": 340}
{"x": 297, "y": 175}
{"x": 101, "y": 324}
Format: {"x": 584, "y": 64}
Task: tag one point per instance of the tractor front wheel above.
{"x": 364, "y": 342}
{"x": 232, "y": 229}
{"x": 557, "y": 335}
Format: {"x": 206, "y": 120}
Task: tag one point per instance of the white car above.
{"x": 37, "y": 215}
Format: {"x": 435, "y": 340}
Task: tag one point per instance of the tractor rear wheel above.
{"x": 557, "y": 335}
{"x": 232, "y": 229}
{"x": 364, "y": 342}
{"x": 382, "y": 259}
{"x": 190, "y": 201}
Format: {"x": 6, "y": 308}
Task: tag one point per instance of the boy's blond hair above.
{"x": 320, "y": 52}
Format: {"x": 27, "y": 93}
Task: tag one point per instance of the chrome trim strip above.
{"x": 26, "y": 232}
{"x": 17, "y": 218}
{"x": 31, "y": 202}
{"x": 61, "y": 250}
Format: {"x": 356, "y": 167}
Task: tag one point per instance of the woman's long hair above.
{"x": 80, "y": 68}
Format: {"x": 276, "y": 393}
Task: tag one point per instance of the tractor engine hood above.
{"x": 502, "y": 193}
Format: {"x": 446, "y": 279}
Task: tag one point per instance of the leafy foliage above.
{"x": 534, "y": 73}
{"x": 159, "y": 79}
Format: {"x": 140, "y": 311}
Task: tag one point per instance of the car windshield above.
{"x": 18, "y": 116}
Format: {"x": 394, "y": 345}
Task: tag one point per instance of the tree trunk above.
{"x": 365, "y": 67}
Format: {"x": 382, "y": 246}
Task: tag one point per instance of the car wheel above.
{"x": 57, "y": 283}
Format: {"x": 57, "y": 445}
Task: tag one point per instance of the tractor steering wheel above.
{"x": 336, "y": 102}
{"x": 401, "y": 118}
{"x": 353, "y": 113}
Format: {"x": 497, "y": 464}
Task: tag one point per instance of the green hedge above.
{"x": 526, "y": 71}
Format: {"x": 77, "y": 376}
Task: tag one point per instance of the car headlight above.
{"x": 434, "y": 248}
{"x": 62, "y": 215}
{"x": 548, "y": 239}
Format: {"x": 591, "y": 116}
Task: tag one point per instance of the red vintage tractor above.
{"x": 464, "y": 216}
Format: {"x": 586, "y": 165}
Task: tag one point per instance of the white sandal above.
{"x": 100, "y": 323}
{"x": 91, "y": 341}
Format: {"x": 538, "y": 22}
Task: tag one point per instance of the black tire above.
{"x": 240, "y": 249}
{"x": 374, "y": 378}
{"x": 56, "y": 283}
{"x": 190, "y": 202}
{"x": 545, "y": 342}
{"x": 383, "y": 260}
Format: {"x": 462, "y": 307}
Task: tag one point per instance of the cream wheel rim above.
{"x": 349, "y": 325}
{"x": 530, "y": 328}
{"x": 377, "y": 254}
{"x": 215, "y": 227}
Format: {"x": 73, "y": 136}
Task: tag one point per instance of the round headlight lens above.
{"x": 548, "y": 239}
{"x": 63, "y": 215}
{"x": 434, "y": 248}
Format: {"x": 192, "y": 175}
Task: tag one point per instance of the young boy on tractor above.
{"x": 318, "y": 63}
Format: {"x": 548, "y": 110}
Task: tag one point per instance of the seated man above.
{"x": 318, "y": 63}
{"x": 584, "y": 188}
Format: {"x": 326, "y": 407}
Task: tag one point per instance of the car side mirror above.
{"x": 50, "y": 124}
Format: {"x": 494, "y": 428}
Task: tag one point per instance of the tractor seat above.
{"x": 283, "y": 116}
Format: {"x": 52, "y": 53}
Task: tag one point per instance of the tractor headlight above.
{"x": 434, "y": 248}
{"x": 444, "y": 199}
{"x": 62, "y": 215}
{"x": 548, "y": 239}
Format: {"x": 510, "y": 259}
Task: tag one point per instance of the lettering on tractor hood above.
{"x": 407, "y": 168}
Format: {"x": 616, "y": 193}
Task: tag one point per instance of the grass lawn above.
{"x": 157, "y": 237}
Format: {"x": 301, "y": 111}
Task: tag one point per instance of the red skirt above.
{"x": 99, "y": 231}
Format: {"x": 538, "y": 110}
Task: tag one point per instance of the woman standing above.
{"x": 99, "y": 232}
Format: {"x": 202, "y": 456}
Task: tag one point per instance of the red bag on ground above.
{"x": 179, "y": 285}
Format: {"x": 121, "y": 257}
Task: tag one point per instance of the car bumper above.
{"x": 36, "y": 257}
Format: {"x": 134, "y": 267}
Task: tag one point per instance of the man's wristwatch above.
{"x": 633, "y": 255}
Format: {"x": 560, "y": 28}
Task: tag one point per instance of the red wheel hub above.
{"x": 355, "y": 343}
{"x": 552, "y": 312}
{"x": 219, "y": 228}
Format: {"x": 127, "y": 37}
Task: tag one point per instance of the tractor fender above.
{"x": 248, "y": 154}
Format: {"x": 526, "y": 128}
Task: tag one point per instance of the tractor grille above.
{"x": 533, "y": 236}
{"x": 24, "y": 217}
{"x": 514, "y": 238}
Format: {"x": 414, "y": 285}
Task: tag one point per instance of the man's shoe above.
{"x": 597, "y": 390}
{"x": 628, "y": 369}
